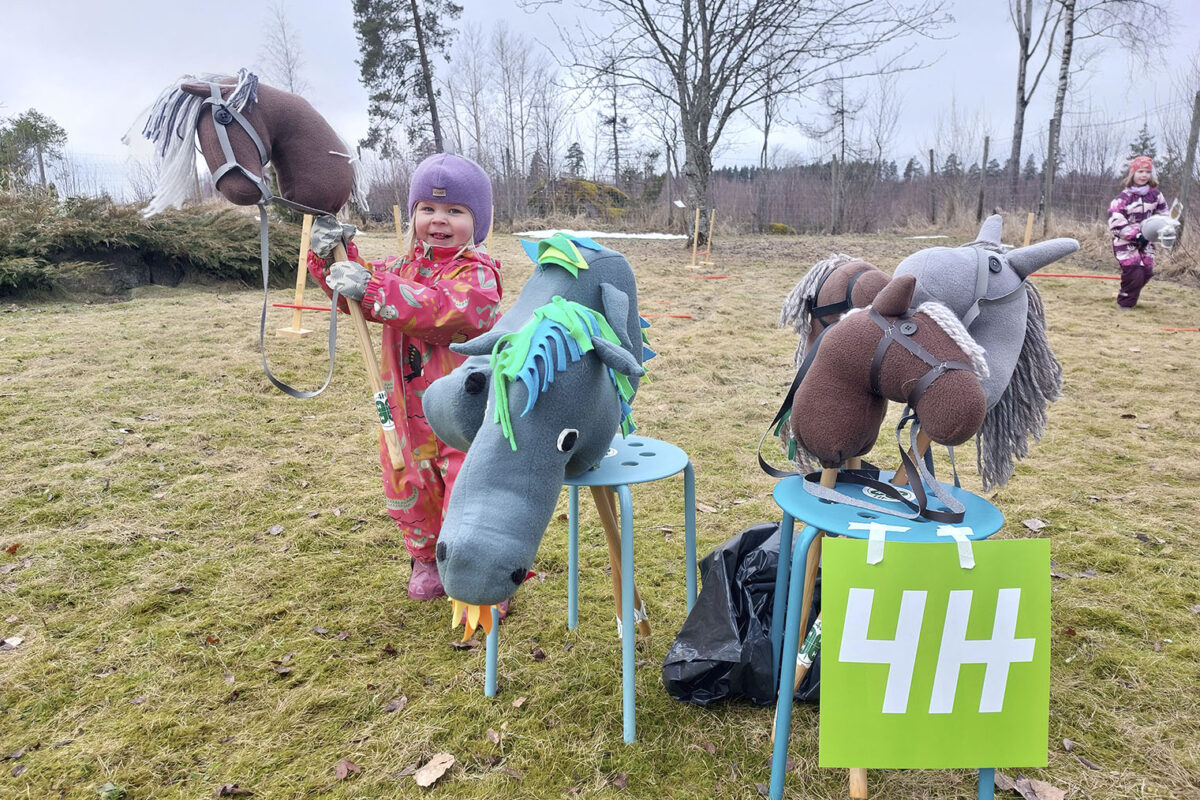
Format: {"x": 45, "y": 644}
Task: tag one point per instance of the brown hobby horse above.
{"x": 885, "y": 352}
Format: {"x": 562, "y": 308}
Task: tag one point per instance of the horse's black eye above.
{"x": 566, "y": 439}
{"x": 994, "y": 265}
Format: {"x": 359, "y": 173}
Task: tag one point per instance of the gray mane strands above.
{"x": 171, "y": 126}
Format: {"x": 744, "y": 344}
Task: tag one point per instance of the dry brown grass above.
{"x": 144, "y": 451}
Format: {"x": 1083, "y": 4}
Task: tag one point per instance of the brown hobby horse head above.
{"x": 922, "y": 357}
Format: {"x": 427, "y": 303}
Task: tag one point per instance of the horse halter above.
{"x": 223, "y": 114}
{"x": 900, "y": 332}
{"x": 987, "y": 263}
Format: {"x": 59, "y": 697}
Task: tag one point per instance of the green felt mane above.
{"x": 534, "y": 354}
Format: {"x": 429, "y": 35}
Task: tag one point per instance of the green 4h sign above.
{"x": 927, "y": 665}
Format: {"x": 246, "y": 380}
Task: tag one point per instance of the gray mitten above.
{"x": 327, "y": 233}
{"x": 349, "y": 280}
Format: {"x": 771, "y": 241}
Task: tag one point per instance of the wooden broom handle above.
{"x": 371, "y": 362}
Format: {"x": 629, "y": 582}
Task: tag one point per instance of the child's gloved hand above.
{"x": 348, "y": 279}
{"x": 327, "y": 233}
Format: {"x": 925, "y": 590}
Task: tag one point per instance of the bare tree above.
{"x": 716, "y": 54}
{"x": 1084, "y": 20}
{"x": 281, "y": 55}
{"x": 1031, "y": 45}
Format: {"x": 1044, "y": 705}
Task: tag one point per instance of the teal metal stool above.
{"x": 630, "y": 460}
{"x": 824, "y": 516}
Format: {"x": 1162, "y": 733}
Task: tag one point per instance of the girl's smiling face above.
{"x": 1141, "y": 177}
{"x": 443, "y": 224}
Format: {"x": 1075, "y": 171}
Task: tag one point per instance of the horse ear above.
{"x": 616, "y": 311}
{"x": 617, "y": 358}
{"x": 480, "y": 345}
{"x": 895, "y": 298}
{"x": 991, "y": 230}
{"x": 1027, "y": 260}
{"x": 199, "y": 89}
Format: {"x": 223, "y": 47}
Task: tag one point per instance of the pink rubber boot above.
{"x": 425, "y": 584}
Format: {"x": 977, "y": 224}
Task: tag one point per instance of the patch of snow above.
{"x": 599, "y": 234}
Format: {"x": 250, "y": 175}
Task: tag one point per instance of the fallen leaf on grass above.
{"x": 389, "y": 650}
{"x": 1087, "y": 573}
{"x": 1032, "y": 789}
{"x": 274, "y": 530}
{"x": 1034, "y": 525}
{"x": 345, "y": 768}
{"x": 620, "y": 780}
{"x": 492, "y": 736}
{"x": 1129, "y": 416}
{"x": 1194, "y": 609}
{"x": 231, "y": 790}
{"x": 111, "y": 791}
{"x": 11, "y": 643}
{"x": 1087, "y": 763}
{"x": 537, "y": 654}
{"x": 12, "y": 549}
{"x": 520, "y": 701}
{"x": 512, "y": 773}
{"x": 19, "y": 770}
{"x": 707, "y": 509}
{"x": 435, "y": 768}
{"x": 396, "y": 705}
{"x": 137, "y": 701}
{"x": 180, "y": 589}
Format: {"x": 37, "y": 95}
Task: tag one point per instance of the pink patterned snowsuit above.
{"x": 1126, "y": 213}
{"x": 424, "y": 303}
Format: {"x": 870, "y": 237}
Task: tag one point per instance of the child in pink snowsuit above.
{"x": 1138, "y": 200}
{"x": 445, "y": 289}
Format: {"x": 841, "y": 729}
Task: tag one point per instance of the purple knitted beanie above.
{"x": 446, "y": 178}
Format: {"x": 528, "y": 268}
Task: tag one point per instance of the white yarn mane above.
{"x": 171, "y": 126}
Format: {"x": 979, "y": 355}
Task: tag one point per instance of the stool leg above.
{"x": 628, "y": 640}
{"x": 492, "y": 646}
{"x": 572, "y": 557}
{"x": 782, "y": 574}
{"x": 689, "y": 523}
{"x": 987, "y": 783}
{"x": 791, "y": 645}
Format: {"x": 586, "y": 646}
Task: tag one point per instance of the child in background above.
{"x": 444, "y": 289}
{"x": 1138, "y": 200}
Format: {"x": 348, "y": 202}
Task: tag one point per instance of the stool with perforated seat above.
{"x": 630, "y": 460}
{"x": 820, "y": 517}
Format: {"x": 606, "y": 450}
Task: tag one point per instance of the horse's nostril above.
{"x": 517, "y": 576}
{"x": 441, "y": 551}
{"x": 474, "y": 383}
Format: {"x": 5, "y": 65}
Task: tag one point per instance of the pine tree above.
{"x": 913, "y": 169}
{"x": 1143, "y": 145}
{"x": 575, "y": 161}
{"x": 395, "y": 39}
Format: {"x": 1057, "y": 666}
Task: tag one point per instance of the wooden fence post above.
{"x": 297, "y": 331}
{"x": 932, "y": 197}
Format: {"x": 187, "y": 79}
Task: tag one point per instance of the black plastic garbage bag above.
{"x": 723, "y": 649}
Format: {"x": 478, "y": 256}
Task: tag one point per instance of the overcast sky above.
{"x": 93, "y": 67}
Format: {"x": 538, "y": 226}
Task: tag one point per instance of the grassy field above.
{"x": 206, "y": 590}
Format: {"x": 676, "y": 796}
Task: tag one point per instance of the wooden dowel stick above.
{"x": 373, "y": 375}
{"x": 606, "y": 507}
{"x": 712, "y": 215}
{"x": 1028, "y": 229}
{"x": 923, "y": 443}
{"x": 695, "y": 236}
{"x": 297, "y": 331}
{"x": 399, "y": 229}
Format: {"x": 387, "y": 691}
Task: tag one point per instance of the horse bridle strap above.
{"x": 900, "y": 332}
{"x": 984, "y": 263}
{"x": 840, "y": 307}
{"x": 223, "y": 114}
